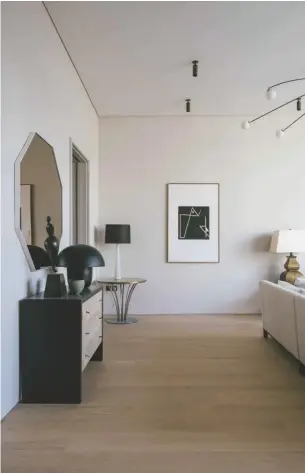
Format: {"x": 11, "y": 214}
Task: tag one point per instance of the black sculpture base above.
{"x": 55, "y": 286}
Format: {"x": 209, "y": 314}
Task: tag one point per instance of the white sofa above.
{"x": 283, "y": 313}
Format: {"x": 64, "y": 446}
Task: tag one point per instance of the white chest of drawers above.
{"x": 58, "y": 338}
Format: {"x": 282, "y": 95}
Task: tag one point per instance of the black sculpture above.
{"x": 51, "y": 244}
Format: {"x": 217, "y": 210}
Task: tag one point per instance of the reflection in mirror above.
{"x": 40, "y": 197}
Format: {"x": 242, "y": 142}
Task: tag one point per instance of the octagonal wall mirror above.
{"x": 38, "y": 195}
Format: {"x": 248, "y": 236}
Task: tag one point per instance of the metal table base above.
{"x": 121, "y": 298}
{"x": 130, "y": 320}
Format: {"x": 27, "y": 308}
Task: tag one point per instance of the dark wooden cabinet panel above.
{"x": 53, "y": 353}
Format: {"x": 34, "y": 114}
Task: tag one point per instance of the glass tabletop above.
{"x": 121, "y": 281}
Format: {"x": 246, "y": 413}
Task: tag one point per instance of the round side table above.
{"x": 121, "y": 291}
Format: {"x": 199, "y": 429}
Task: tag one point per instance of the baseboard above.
{"x": 189, "y": 314}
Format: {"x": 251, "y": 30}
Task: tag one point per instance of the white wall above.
{"x": 41, "y": 92}
{"x": 262, "y": 188}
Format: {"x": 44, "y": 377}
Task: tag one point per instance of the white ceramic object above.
{"x": 76, "y": 286}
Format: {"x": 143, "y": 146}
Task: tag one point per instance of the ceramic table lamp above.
{"x": 117, "y": 234}
{"x": 289, "y": 242}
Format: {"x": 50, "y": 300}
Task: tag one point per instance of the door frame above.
{"x": 75, "y": 151}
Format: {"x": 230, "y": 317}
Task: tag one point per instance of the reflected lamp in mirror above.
{"x": 289, "y": 242}
{"x": 39, "y": 257}
{"x": 38, "y": 193}
{"x": 79, "y": 261}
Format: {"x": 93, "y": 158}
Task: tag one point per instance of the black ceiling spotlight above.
{"x": 188, "y": 105}
{"x": 299, "y": 105}
{"x": 195, "y": 68}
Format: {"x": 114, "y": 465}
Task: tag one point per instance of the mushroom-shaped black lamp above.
{"x": 79, "y": 261}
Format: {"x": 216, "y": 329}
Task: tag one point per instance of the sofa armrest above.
{"x": 278, "y": 313}
{"x": 300, "y": 320}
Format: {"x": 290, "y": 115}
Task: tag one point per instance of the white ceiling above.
{"x": 135, "y": 57}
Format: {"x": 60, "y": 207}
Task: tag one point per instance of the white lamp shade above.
{"x": 288, "y": 241}
{"x": 245, "y": 125}
{"x": 279, "y": 133}
{"x": 271, "y": 94}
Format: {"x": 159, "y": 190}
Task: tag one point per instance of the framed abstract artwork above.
{"x": 193, "y": 223}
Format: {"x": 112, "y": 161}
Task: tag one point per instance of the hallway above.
{"x": 174, "y": 394}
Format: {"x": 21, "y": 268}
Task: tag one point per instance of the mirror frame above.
{"x": 18, "y": 230}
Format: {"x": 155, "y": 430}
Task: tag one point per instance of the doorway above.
{"x": 80, "y": 197}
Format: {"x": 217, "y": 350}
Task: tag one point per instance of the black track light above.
{"x": 299, "y": 105}
{"x": 188, "y": 105}
{"x": 195, "y": 68}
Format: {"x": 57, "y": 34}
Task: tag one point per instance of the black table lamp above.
{"x": 117, "y": 234}
{"x": 79, "y": 261}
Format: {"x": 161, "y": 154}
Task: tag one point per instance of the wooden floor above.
{"x": 184, "y": 394}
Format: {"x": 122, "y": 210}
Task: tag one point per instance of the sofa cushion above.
{"x": 300, "y": 282}
{"x": 291, "y": 287}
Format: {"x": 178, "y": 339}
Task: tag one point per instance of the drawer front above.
{"x": 90, "y": 348}
{"x": 92, "y": 305}
{"x": 90, "y": 327}
{"x": 92, "y": 312}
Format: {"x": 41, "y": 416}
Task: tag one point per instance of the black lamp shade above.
{"x": 117, "y": 234}
{"x": 82, "y": 256}
{"x": 79, "y": 261}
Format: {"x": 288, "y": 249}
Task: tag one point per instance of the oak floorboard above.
{"x": 175, "y": 394}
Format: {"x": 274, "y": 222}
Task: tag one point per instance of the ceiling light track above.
{"x": 296, "y": 120}
{"x": 271, "y": 94}
{"x": 274, "y": 109}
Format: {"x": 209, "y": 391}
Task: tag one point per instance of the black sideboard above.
{"x": 57, "y": 339}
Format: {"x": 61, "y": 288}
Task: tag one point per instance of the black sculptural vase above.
{"x": 51, "y": 244}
